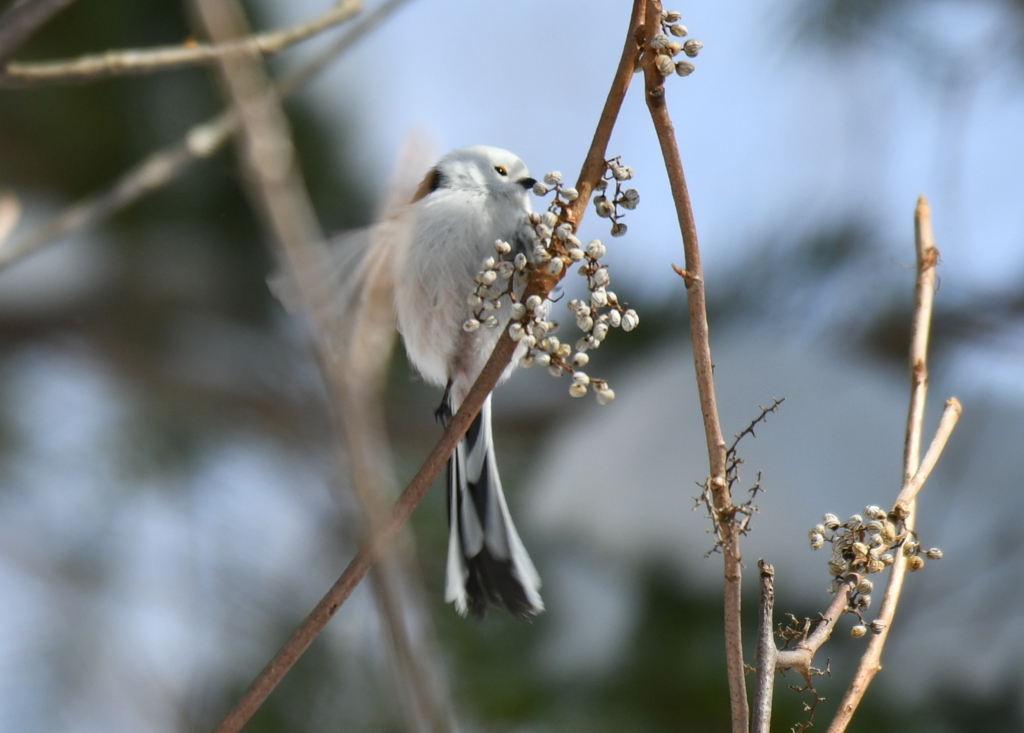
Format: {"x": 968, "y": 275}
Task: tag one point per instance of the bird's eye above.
{"x": 501, "y": 170}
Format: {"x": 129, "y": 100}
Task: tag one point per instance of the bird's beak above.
{"x": 527, "y": 183}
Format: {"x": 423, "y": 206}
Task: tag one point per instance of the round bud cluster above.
{"x": 496, "y": 278}
{"x": 602, "y": 310}
{"x": 557, "y": 246}
{"x": 543, "y": 348}
{"x": 865, "y": 545}
{"x": 607, "y": 207}
{"x": 667, "y": 49}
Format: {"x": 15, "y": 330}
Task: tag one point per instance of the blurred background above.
{"x": 170, "y": 502}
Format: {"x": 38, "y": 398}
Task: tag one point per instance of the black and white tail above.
{"x": 487, "y": 562}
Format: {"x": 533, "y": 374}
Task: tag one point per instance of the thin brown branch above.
{"x": 145, "y": 61}
{"x": 914, "y": 473}
{"x": 766, "y": 651}
{"x": 22, "y": 19}
{"x": 594, "y": 164}
{"x": 699, "y": 338}
{"x": 165, "y": 165}
{"x": 399, "y": 513}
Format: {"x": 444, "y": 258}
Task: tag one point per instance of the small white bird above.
{"x": 473, "y": 197}
{"x": 428, "y": 255}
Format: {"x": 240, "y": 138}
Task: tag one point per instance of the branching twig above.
{"x": 200, "y": 142}
{"x": 144, "y": 61}
{"x": 801, "y": 657}
{"x": 694, "y": 279}
{"x": 388, "y": 527}
{"x": 913, "y": 473}
{"x": 22, "y": 19}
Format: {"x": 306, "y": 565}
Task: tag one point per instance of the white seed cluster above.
{"x": 866, "y": 545}
{"x": 601, "y": 310}
{"x": 667, "y": 49}
{"x": 608, "y": 207}
{"x": 558, "y": 247}
{"x": 496, "y": 278}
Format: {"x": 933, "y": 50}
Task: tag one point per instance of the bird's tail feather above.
{"x": 487, "y": 562}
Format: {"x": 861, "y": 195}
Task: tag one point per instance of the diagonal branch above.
{"x": 693, "y": 276}
{"x": 200, "y": 142}
{"x": 275, "y": 183}
{"x": 22, "y": 19}
{"x": 385, "y": 531}
{"x": 145, "y": 61}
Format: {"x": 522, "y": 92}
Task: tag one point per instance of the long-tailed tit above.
{"x": 474, "y": 196}
{"x": 428, "y": 255}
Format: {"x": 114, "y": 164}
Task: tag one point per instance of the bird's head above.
{"x": 480, "y": 169}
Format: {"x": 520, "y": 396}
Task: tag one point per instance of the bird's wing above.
{"x": 346, "y": 288}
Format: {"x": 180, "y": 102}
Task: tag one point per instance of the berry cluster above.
{"x": 667, "y": 49}
{"x": 608, "y": 208}
{"x": 555, "y": 247}
{"x": 497, "y": 277}
{"x": 866, "y": 545}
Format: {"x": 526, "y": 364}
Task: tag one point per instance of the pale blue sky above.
{"x": 776, "y": 137}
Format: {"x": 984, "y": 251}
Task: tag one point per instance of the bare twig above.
{"x": 22, "y": 19}
{"x": 766, "y": 651}
{"x": 389, "y": 526}
{"x": 801, "y": 657}
{"x": 165, "y": 165}
{"x": 145, "y": 61}
{"x": 155, "y": 171}
{"x": 913, "y": 473}
{"x": 694, "y": 279}
{"x": 950, "y": 415}
{"x": 920, "y": 328}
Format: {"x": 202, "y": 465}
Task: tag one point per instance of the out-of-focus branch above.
{"x": 766, "y": 652}
{"x": 145, "y": 61}
{"x": 200, "y": 142}
{"x": 275, "y": 183}
{"x": 22, "y": 19}
{"x": 693, "y": 276}
{"x": 914, "y": 473}
{"x": 10, "y": 212}
{"x": 400, "y": 512}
